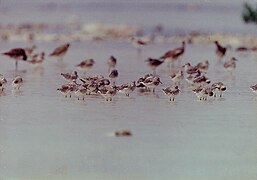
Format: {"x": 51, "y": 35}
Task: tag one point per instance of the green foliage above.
{"x": 249, "y": 14}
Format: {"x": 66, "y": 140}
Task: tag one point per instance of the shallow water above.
{"x": 44, "y": 135}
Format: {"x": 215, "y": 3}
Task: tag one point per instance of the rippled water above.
{"x": 44, "y": 135}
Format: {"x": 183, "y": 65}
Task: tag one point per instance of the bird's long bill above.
{"x": 160, "y": 81}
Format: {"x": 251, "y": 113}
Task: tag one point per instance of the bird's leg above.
{"x": 173, "y": 99}
{"x": 83, "y": 98}
{"x": 16, "y": 65}
{"x": 170, "y": 98}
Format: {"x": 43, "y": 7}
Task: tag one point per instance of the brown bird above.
{"x": 153, "y": 63}
{"x": 113, "y": 75}
{"x": 16, "y": 54}
{"x": 220, "y": 50}
{"x": 86, "y": 65}
{"x": 60, "y": 51}
{"x": 111, "y": 62}
{"x": 37, "y": 59}
{"x": 173, "y": 55}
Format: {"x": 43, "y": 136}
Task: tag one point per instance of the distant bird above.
{"x": 86, "y": 65}
{"x": 220, "y": 50}
{"x": 65, "y": 90}
{"x": 81, "y": 91}
{"x": 150, "y": 82}
{"x": 111, "y": 62}
{"x": 230, "y": 65}
{"x": 171, "y": 92}
{"x": 113, "y": 75}
{"x": 127, "y": 88}
{"x": 16, "y": 54}
{"x": 17, "y": 82}
{"x": 218, "y": 88}
{"x": 203, "y": 66}
{"x": 71, "y": 77}
{"x": 138, "y": 43}
{"x": 37, "y": 59}
{"x": 153, "y": 64}
{"x": 60, "y": 51}
{"x": 203, "y": 93}
{"x": 177, "y": 77}
{"x": 173, "y": 55}
{"x": 189, "y": 69}
{"x": 107, "y": 93}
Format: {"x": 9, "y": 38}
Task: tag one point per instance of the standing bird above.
{"x": 60, "y": 51}
{"x": 218, "y": 88}
{"x": 113, "y": 76}
{"x": 171, "y": 92}
{"x": 173, "y": 55}
{"x": 86, "y": 65}
{"x": 153, "y": 64}
{"x": 138, "y": 43}
{"x": 220, "y": 50}
{"x": 17, "y": 82}
{"x": 17, "y": 54}
{"x": 71, "y": 77}
{"x": 230, "y": 65}
{"x": 37, "y": 59}
{"x": 111, "y": 62}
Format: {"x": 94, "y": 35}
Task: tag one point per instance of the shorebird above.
{"x": 153, "y": 63}
{"x": 72, "y": 77}
{"x": 218, "y": 88}
{"x": 173, "y": 55}
{"x": 111, "y": 62}
{"x": 113, "y": 75}
{"x": 254, "y": 88}
{"x": 127, "y": 88}
{"x": 189, "y": 69}
{"x": 203, "y": 66}
{"x": 67, "y": 89}
{"x": 64, "y": 89}
{"x": 220, "y": 50}
{"x": 16, "y": 54}
{"x": 201, "y": 81}
{"x": 138, "y": 43}
{"x": 230, "y": 65}
{"x": 81, "y": 90}
{"x": 177, "y": 77}
{"x": 171, "y": 92}
{"x": 107, "y": 92}
{"x": 202, "y": 93}
{"x": 37, "y": 59}
{"x": 86, "y": 65}
{"x": 17, "y": 82}
{"x": 60, "y": 51}
{"x": 151, "y": 82}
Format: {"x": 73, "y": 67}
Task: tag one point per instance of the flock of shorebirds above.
{"x": 85, "y": 85}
